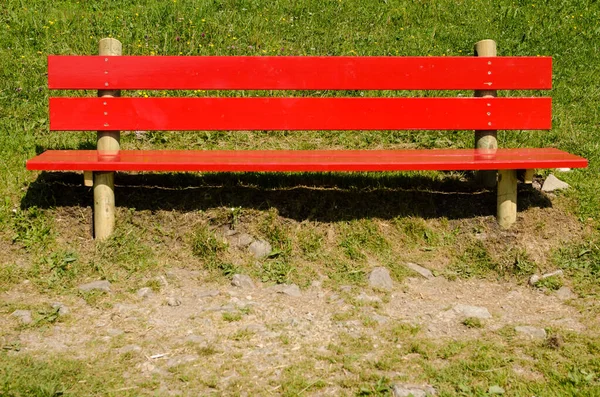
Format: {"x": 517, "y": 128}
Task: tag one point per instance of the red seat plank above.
{"x": 130, "y": 114}
{"x": 298, "y": 73}
{"x": 318, "y": 160}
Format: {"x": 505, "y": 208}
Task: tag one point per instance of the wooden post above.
{"x": 108, "y": 145}
{"x": 507, "y": 198}
{"x": 486, "y": 139}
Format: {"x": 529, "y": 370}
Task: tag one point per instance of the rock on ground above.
{"x": 420, "y": 270}
{"x": 535, "y": 278}
{"x": 289, "y": 289}
{"x": 380, "y": 278}
{"x": 472, "y": 311}
{"x": 412, "y": 390}
{"x": 242, "y": 281}
{"x": 173, "y": 301}
{"x": 100, "y": 285}
{"x": 565, "y": 293}
{"x": 145, "y": 292}
{"x": 23, "y": 315}
{"x": 260, "y": 248}
{"x": 552, "y": 184}
{"x": 532, "y": 332}
{"x": 62, "y": 309}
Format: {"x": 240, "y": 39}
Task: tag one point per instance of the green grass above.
{"x": 328, "y": 226}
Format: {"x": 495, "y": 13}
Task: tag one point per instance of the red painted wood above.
{"x": 317, "y": 160}
{"x": 298, "y": 73}
{"x": 69, "y": 114}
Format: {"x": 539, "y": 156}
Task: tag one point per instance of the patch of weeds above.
{"x": 582, "y": 263}
{"x": 552, "y": 283}
{"x": 295, "y": 382}
{"x": 123, "y": 254}
{"x": 451, "y": 349}
{"x": 234, "y": 216}
{"x": 278, "y": 271}
{"x": 522, "y": 265}
{"x": 402, "y": 331}
{"x": 227, "y": 269}
{"x": 516, "y": 263}
{"x": 154, "y": 284}
{"x": 276, "y": 233}
{"x": 11, "y": 274}
{"x": 57, "y": 270}
{"x": 416, "y": 231}
{"x": 242, "y": 335}
{"x": 472, "y": 322}
{"x": 344, "y": 316}
{"x": 346, "y": 272}
{"x": 31, "y": 228}
{"x": 380, "y": 388}
{"x": 475, "y": 261}
{"x": 310, "y": 242}
{"x": 205, "y": 244}
{"x": 211, "y": 249}
{"x": 25, "y": 375}
{"x": 361, "y": 236}
{"x": 46, "y": 317}
{"x": 205, "y": 351}
{"x": 232, "y": 316}
{"x": 94, "y": 298}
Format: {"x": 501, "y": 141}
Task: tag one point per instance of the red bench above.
{"x": 109, "y": 114}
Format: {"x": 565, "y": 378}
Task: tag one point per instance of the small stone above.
{"x": 346, "y": 288}
{"x": 368, "y": 298}
{"x": 208, "y": 293}
{"x": 100, "y": 285}
{"x": 412, "y": 390}
{"x": 472, "y": 311}
{"x": 62, "y": 309}
{"x": 290, "y": 290}
{"x": 495, "y": 389}
{"x": 552, "y": 184}
{"x": 194, "y": 339}
{"x": 129, "y": 349}
{"x": 175, "y": 361}
{"x": 380, "y": 319}
{"x": 145, "y": 292}
{"x": 420, "y": 270}
{"x": 242, "y": 281}
{"x": 380, "y": 278}
{"x": 260, "y": 248}
{"x": 173, "y": 301}
{"x": 115, "y": 332}
{"x": 563, "y": 169}
{"x": 240, "y": 240}
{"x": 532, "y": 332}
{"x": 535, "y": 278}
{"x": 565, "y": 293}
{"x": 23, "y": 315}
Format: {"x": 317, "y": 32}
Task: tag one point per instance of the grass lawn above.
{"x": 331, "y": 226}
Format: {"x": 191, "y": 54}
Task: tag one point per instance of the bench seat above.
{"x": 306, "y": 160}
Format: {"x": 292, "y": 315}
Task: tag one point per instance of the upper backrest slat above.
{"x": 298, "y": 73}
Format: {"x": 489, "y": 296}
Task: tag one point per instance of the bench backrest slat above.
{"x": 129, "y": 114}
{"x": 299, "y": 73}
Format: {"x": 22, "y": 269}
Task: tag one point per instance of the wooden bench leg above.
{"x": 507, "y": 198}
{"x": 104, "y": 204}
{"x": 108, "y": 145}
{"x": 486, "y": 139}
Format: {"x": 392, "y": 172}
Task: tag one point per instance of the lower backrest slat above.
{"x": 164, "y": 114}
